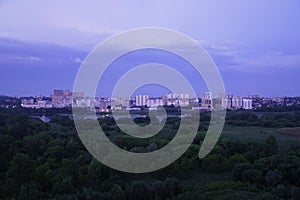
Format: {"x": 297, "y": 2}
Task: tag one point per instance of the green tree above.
{"x": 172, "y": 187}
{"x": 21, "y": 169}
{"x": 239, "y": 169}
{"x": 64, "y": 187}
{"x": 273, "y": 178}
{"x": 138, "y": 191}
{"x": 236, "y": 158}
{"x": 271, "y": 145}
{"x": 295, "y": 193}
{"x": 117, "y": 193}
{"x": 30, "y": 191}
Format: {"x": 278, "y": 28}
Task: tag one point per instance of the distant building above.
{"x": 41, "y": 104}
{"x": 36, "y": 103}
{"x": 67, "y": 93}
{"x": 226, "y": 103}
{"x": 170, "y": 99}
{"x": 58, "y": 93}
{"x": 103, "y": 104}
{"x": 141, "y": 100}
{"x": 120, "y": 102}
{"x": 253, "y": 96}
{"x": 65, "y": 98}
{"x": 182, "y": 99}
{"x": 207, "y": 101}
{"x": 236, "y": 102}
{"x": 77, "y": 95}
{"x": 247, "y": 104}
{"x": 57, "y": 98}
{"x": 85, "y": 103}
{"x": 27, "y": 102}
{"x": 155, "y": 102}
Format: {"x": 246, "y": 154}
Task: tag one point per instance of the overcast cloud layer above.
{"x": 255, "y": 44}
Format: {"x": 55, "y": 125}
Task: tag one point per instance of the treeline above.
{"x": 48, "y": 161}
{"x": 6, "y": 101}
{"x": 279, "y": 108}
{"x": 40, "y": 111}
{"x": 284, "y": 118}
{"x": 251, "y": 118}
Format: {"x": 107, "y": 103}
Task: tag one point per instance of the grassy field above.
{"x": 285, "y": 136}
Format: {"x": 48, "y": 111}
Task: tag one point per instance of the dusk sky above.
{"x": 255, "y": 44}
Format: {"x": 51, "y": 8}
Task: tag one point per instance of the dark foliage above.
{"x": 48, "y": 161}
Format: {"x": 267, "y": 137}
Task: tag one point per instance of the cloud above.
{"x": 268, "y": 61}
{"x": 34, "y": 58}
{"x": 77, "y": 60}
{"x": 27, "y": 58}
{"x": 223, "y": 48}
{"x": 238, "y": 56}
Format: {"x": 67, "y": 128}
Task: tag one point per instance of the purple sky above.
{"x": 255, "y": 44}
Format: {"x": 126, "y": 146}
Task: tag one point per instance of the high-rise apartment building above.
{"x": 63, "y": 98}
{"x": 155, "y": 102}
{"x": 247, "y": 104}
{"x": 141, "y": 100}
{"x": 207, "y": 100}
{"x": 236, "y": 102}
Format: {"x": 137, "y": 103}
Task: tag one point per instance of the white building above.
{"x": 155, "y": 102}
{"x": 247, "y": 104}
{"x": 236, "y": 103}
{"x": 85, "y": 103}
{"x": 27, "y": 102}
{"x": 226, "y": 103}
{"x": 172, "y": 96}
{"x": 41, "y": 104}
{"x": 182, "y": 99}
{"x": 117, "y": 102}
{"x": 141, "y": 100}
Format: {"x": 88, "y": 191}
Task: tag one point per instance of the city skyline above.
{"x": 66, "y": 98}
